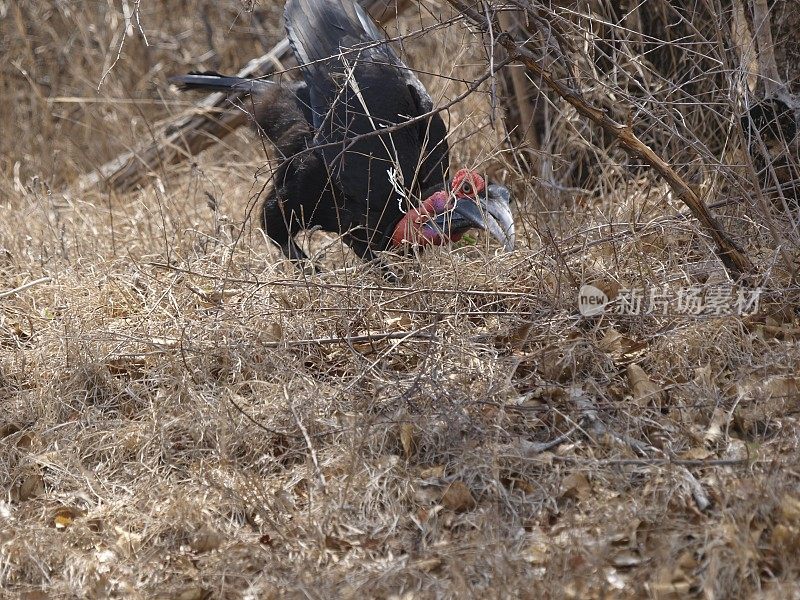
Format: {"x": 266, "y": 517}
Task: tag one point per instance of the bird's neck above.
{"x": 410, "y": 229}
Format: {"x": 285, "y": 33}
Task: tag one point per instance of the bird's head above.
{"x": 446, "y": 215}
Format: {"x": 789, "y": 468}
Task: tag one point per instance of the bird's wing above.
{"x": 357, "y": 85}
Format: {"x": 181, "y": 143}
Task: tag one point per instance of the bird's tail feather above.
{"x": 280, "y": 111}
{"x": 214, "y": 82}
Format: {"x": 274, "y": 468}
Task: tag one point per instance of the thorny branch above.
{"x": 734, "y": 259}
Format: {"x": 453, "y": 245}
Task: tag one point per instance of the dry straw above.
{"x": 184, "y": 414}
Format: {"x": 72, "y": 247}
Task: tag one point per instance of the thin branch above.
{"x": 736, "y": 262}
{"x": 24, "y": 287}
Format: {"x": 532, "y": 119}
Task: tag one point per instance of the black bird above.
{"x": 364, "y": 153}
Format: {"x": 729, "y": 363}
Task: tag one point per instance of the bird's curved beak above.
{"x": 491, "y": 212}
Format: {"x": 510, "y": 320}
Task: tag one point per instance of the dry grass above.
{"x": 186, "y": 415}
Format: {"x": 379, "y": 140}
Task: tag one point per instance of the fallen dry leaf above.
{"x": 433, "y": 472}
{"x": 408, "y": 439}
{"x": 790, "y": 509}
{"x": 645, "y": 392}
{"x": 193, "y": 592}
{"x": 65, "y": 516}
{"x": 336, "y": 543}
{"x": 537, "y": 553}
{"x": 575, "y": 486}
{"x": 128, "y": 541}
{"x": 457, "y": 497}
{"x": 32, "y": 485}
{"x": 713, "y": 433}
{"x": 206, "y": 539}
{"x": 428, "y": 564}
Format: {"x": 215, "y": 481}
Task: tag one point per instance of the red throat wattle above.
{"x": 410, "y": 229}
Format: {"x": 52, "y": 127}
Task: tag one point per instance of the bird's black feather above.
{"x": 358, "y": 85}
{"x": 337, "y": 173}
{"x": 212, "y": 81}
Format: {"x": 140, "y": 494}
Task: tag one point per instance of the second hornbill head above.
{"x": 446, "y": 215}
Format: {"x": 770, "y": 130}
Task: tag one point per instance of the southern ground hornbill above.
{"x": 363, "y": 152}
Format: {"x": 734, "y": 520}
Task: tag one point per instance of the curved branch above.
{"x": 734, "y": 259}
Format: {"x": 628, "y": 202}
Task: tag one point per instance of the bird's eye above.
{"x": 466, "y": 188}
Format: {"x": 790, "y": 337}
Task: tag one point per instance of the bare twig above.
{"x": 312, "y": 451}
{"x": 698, "y": 493}
{"x": 203, "y": 128}
{"x": 733, "y": 258}
{"x": 767, "y": 67}
{"x": 24, "y": 287}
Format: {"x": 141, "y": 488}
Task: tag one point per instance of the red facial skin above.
{"x": 411, "y": 228}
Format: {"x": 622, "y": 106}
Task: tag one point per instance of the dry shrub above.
{"x": 185, "y": 414}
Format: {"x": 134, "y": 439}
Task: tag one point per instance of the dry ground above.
{"x": 183, "y": 414}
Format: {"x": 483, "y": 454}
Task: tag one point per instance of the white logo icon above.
{"x": 591, "y": 301}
